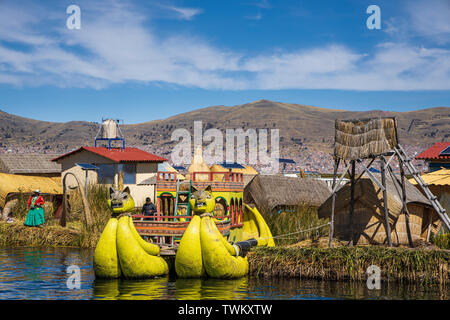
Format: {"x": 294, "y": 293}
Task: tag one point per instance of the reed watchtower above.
{"x": 362, "y": 142}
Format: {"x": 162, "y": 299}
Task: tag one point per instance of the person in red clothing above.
{"x": 35, "y": 216}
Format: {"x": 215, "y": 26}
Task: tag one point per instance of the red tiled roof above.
{"x": 433, "y": 152}
{"x": 118, "y": 155}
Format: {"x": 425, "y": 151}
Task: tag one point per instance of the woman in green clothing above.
{"x": 35, "y": 216}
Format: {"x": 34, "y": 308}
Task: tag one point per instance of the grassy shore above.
{"x": 350, "y": 263}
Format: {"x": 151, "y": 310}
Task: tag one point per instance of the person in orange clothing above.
{"x": 35, "y": 216}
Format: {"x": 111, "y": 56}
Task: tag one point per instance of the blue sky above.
{"x": 141, "y": 61}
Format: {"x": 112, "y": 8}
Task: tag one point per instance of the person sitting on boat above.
{"x": 149, "y": 209}
{"x": 35, "y": 216}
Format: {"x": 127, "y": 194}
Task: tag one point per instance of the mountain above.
{"x": 301, "y": 127}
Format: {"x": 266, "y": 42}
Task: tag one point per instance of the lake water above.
{"x": 40, "y": 273}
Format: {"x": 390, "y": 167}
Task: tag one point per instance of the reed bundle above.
{"x": 361, "y": 139}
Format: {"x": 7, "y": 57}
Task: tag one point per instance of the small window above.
{"x": 106, "y": 173}
{"x": 129, "y": 173}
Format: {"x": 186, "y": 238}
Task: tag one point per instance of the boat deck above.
{"x": 168, "y": 250}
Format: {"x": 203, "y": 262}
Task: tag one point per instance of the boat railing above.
{"x": 174, "y": 218}
{"x": 177, "y": 218}
{"x": 166, "y": 176}
{"x": 225, "y": 176}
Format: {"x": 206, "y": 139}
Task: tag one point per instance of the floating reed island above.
{"x": 76, "y": 233}
{"x": 350, "y": 263}
{"x": 18, "y": 235}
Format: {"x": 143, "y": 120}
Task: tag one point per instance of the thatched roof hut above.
{"x": 248, "y": 169}
{"x": 198, "y": 165}
{"x": 368, "y": 219}
{"x": 25, "y": 184}
{"x": 30, "y": 164}
{"x": 271, "y": 192}
{"x": 439, "y": 184}
{"x": 165, "y": 166}
{"x": 12, "y": 186}
{"x": 249, "y": 172}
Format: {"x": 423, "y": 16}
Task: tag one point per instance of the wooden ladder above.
{"x": 433, "y": 199}
{"x": 188, "y": 193}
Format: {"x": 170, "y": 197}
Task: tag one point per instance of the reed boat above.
{"x": 235, "y": 220}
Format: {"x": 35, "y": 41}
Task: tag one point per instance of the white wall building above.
{"x": 135, "y": 164}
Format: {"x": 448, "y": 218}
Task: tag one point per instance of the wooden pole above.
{"x": 86, "y": 184}
{"x": 405, "y": 207}
{"x": 87, "y": 211}
{"x": 333, "y": 203}
{"x": 386, "y": 209}
{"x": 352, "y": 200}
{"x": 158, "y": 209}
{"x": 429, "y": 228}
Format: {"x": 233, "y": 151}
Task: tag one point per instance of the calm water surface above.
{"x": 40, "y": 273}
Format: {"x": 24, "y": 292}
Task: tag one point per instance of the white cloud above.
{"x": 263, "y": 4}
{"x": 421, "y": 20}
{"x": 431, "y": 18}
{"x": 185, "y": 13}
{"x": 19, "y": 25}
{"x": 257, "y": 16}
{"x": 323, "y": 60}
{"x": 119, "y": 47}
{"x": 390, "y": 67}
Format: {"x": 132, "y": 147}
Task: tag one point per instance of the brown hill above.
{"x": 300, "y": 125}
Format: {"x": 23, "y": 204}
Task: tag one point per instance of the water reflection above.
{"x": 119, "y": 289}
{"x": 188, "y": 289}
{"x": 40, "y": 273}
{"x": 106, "y": 289}
{"x": 228, "y": 289}
{"x": 170, "y": 288}
{"x": 312, "y": 289}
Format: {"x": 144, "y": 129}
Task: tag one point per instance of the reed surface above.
{"x": 442, "y": 241}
